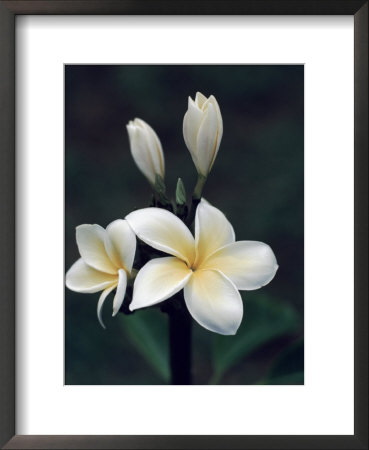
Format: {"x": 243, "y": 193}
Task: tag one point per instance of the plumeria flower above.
{"x": 106, "y": 262}
{"x": 211, "y": 267}
{"x": 203, "y": 131}
{"x": 146, "y": 149}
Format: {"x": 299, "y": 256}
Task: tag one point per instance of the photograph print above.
{"x": 184, "y": 224}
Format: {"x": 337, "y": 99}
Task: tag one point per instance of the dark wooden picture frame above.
{"x": 8, "y": 12}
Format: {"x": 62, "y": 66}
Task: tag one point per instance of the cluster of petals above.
{"x": 106, "y": 262}
{"x": 211, "y": 267}
{"x": 146, "y": 149}
{"x": 203, "y": 131}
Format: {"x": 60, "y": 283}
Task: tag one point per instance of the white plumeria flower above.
{"x": 203, "y": 131}
{"x": 106, "y": 262}
{"x": 210, "y": 267}
{"x": 146, "y": 149}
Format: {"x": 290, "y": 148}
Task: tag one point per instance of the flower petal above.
{"x": 213, "y": 101}
{"x": 154, "y": 146}
{"x": 214, "y": 301}
{"x": 206, "y": 143}
{"x": 212, "y": 231}
{"x": 120, "y": 244}
{"x": 140, "y": 151}
{"x": 156, "y": 153}
{"x": 90, "y": 241}
{"x": 249, "y": 264}
{"x": 162, "y": 230}
{"x": 83, "y": 278}
{"x": 158, "y": 280}
{"x": 121, "y": 291}
{"x": 100, "y": 303}
{"x": 200, "y": 99}
{"x": 191, "y": 125}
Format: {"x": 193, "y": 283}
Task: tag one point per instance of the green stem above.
{"x": 197, "y": 192}
{"x": 196, "y": 197}
{"x": 160, "y": 193}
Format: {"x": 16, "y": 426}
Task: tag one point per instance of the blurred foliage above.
{"x": 147, "y": 332}
{"x": 288, "y": 367}
{"x": 257, "y": 181}
{"x": 266, "y": 319}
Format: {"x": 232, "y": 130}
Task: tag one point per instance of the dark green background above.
{"x": 257, "y": 181}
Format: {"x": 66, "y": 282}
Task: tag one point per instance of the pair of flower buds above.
{"x": 202, "y": 131}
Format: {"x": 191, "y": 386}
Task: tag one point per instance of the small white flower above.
{"x": 203, "y": 131}
{"x": 146, "y": 149}
{"x": 210, "y": 267}
{"x": 106, "y": 262}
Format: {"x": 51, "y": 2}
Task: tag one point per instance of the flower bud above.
{"x": 146, "y": 149}
{"x": 202, "y": 131}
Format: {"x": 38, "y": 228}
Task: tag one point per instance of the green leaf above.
{"x": 290, "y": 379}
{"x": 265, "y": 319}
{"x": 147, "y": 331}
{"x": 180, "y": 192}
{"x": 288, "y": 367}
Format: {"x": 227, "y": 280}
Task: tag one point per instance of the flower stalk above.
{"x": 197, "y": 192}
{"x": 180, "y": 332}
{"x": 196, "y": 197}
{"x": 181, "y": 198}
{"x": 162, "y": 200}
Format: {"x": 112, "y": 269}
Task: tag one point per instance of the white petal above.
{"x": 100, "y": 304}
{"x": 121, "y": 291}
{"x": 162, "y": 230}
{"x": 214, "y": 302}
{"x": 191, "y": 125}
{"x": 200, "y": 99}
{"x": 140, "y": 150}
{"x": 158, "y": 280}
{"x": 160, "y": 156}
{"x": 213, "y": 101}
{"x": 212, "y": 231}
{"x": 83, "y": 278}
{"x": 154, "y": 147}
{"x": 249, "y": 264}
{"x": 206, "y": 143}
{"x": 90, "y": 241}
{"x": 120, "y": 244}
